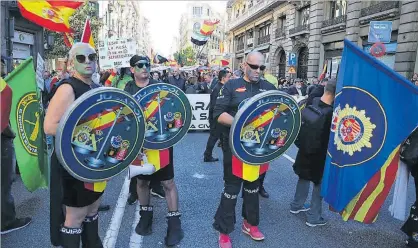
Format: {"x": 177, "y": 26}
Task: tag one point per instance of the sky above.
{"x": 164, "y": 17}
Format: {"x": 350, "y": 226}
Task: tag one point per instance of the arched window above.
{"x": 303, "y": 63}
{"x": 282, "y": 64}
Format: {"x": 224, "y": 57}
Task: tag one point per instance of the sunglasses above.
{"x": 82, "y": 58}
{"x": 255, "y": 67}
{"x": 142, "y": 64}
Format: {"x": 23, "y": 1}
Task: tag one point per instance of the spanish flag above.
{"x": 247, "y": 172}
{"x": 324, "y": 72}
{"x": 6, "y": 103}
{"x": 109, "y": 80}
{"x": 88, "y": 34}
{"x": 208, "y": 27}
{"x": 158, "y": 158}
{"x": 96, "y": 187}
{"x": 53, "y": 15}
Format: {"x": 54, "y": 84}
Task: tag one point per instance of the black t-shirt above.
{"x": 132, "y": 88}
{"x": 234, "y": 92}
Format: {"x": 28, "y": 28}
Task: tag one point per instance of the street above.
{"x": 200, "y": 185}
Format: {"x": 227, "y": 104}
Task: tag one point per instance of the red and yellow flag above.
{"x": 96, "y": 187}
{"x": 68, "y": 39}
{"x": 6, "y": 103}
{"x": 366, "y": 205}
{"x": 53, "y": 15}
{"x": 221, "y": 47}
{"x": 247, "y": 172}
{"x": 87, "y": 36}
{"x": 158, "y": 158}
{"x": 109, "y": 80}
{"x": 324, "y": 72}
{"x": 208, "y": 27}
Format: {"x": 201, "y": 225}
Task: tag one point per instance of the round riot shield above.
{"x": 167, "y": 112}
{"x": 100, "y": 134}
{"x": 265, "y": 127}
{"x": 302, "y": 103}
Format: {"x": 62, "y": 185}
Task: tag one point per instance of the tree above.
{"x": 59, "y": 49}
{"x": 186, "y": 56}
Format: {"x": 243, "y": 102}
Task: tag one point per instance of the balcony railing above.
{"x": 299, "y": 29}
{"x": 257, "y": 7}
{"x": 263, "y": 39}
{"x": 380, "y": 7}
{"x": 334, "y": 21}
{"x": 250, "y": 41}
{"x": 240, "y": 47}
{"x": 280, "y": 32}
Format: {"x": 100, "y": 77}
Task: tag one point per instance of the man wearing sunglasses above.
{"x": 140, "y": 185}
{"x": 230, "y": 96}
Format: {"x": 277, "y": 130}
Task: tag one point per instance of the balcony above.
{"x": 250, "y": 41}
{"x": 299, "y": 31}
{"x": 380, "y": 11}
{"x": 280, "y": 32}
{"x": 263, "y": 40}
{"x": 334, "y": 24}
{"x": 260, "y": 7}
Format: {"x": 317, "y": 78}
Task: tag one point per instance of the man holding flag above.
{"x": 374, "y": 112}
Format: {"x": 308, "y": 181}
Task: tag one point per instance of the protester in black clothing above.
{"x": 298, "y": 89}
{"x": 140, "y": 67}
{"x": 229, "y": 98}
{"x": 317, "y": 90}
{"x": 214, "y": 135}
{"x": 81, "y": 204}
{"x": 310, "y": 160}
{"x": 177, "y": 80}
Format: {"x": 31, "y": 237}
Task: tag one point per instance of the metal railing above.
{"x": 299, "y": 29}
{"x": 240, "y": 47}
{"x": 257, "y": 7}
{"x": 334, "y": 21}
{"x": 263, "y": 40}
{"x": 380, "y": 7}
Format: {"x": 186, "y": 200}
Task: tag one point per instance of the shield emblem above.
{"x": 265, "y": 127}
{"x": 167, "y": 112}
{"x": 100, "y": 134}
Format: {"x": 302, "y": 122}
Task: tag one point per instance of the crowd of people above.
{"x": 80, "y": 212}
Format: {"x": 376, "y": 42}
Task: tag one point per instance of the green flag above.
{"x": 26, "y": 118}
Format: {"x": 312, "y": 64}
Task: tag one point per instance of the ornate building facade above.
{"x": 314, "y": 31}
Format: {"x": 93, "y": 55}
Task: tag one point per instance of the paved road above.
{"x": 200, "y": 185}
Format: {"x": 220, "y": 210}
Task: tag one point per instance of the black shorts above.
{"x": 166, "y": 173}
{"x": 73, "y": 190}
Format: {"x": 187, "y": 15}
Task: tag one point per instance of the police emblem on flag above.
{"x": 356, "y": 131}
{"x": 264, "y": 127}
{"x": 100, "y": 134}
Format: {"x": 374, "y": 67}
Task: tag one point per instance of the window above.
{"x": 338, "y": 8}
{"x": 264, "y": 31}
{"x": 197, "y": 11}
{"x": 366, "y": 4}
{"x": 281, "y": 22}
{"x": 208, "y": 12}
{"x": 304, "y": 16}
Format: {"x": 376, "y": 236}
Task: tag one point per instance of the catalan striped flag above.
{"x": 208, "y": 27}
{"x": 158, "y": 158}
{"x": 247, "y": 172}
{"x": 6, "y": 103}
{"x": 68, "y": 39}
{"x": 87, "y": 36}
{"x": 366, "y": 133}
{"x": 109, "y": 80}
{"x": 53, "y": 15}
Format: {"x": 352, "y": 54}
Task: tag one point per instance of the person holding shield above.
{"x": 81, "y": 204}
{"x": 140, "y": 67}
{"x": 230, "y": 97}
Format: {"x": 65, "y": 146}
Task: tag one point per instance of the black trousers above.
{"x": 213, "y": 137}
{"x": 132, "y": 185}
{"x": 225, "y": 215}
{"x": 8, "y": 165}
{"x": 411, "y": 224}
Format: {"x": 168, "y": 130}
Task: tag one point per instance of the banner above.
{"x": 200, "y": 111}
{"x": 116, "y": 53}
{"x": 26, "y": 118}
{"x": 369, "y": 124}
{"x": 40, "y": 65}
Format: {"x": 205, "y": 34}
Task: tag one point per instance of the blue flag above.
{"x": 375, "y": 110}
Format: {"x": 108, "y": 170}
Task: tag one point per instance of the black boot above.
{"x": 412, "y": 241}
{"x": 70, "y": 237}
{"x": 144, "y": 226}
{"x": 90, "y": 236}
{"x": 174, "y": 231}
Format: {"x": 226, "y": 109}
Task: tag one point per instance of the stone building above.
{"x": 123, "y": 19}
{"x": 314, "y": 31}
